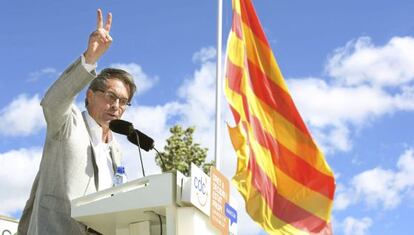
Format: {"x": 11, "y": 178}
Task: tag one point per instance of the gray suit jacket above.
{"x": 68, "y": 169}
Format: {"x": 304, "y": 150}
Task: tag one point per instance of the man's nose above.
{"x": 116, "y": 104}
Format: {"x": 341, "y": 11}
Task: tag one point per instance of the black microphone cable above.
{"x": 162, "y": 161}
{"x": 159, "y": 218}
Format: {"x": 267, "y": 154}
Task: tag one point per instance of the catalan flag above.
{"x": 281, "y": 173}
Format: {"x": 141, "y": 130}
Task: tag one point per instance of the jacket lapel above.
{"x": 95, "y": 166}
{"x": 115, "y": 155}
{"x": 93, "y": 154}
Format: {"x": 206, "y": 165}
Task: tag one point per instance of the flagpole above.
{"x": 217, "y": 155}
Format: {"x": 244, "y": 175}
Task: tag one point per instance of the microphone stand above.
{"x": 140, "y": 155}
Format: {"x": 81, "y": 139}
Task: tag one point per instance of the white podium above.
{"x": 136, "y": 207}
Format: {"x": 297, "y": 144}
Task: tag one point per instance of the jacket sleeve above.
{"x": 28, "y": 209}
{"x": 58, "y": 101}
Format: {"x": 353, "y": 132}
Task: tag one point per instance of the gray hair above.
{"x": 99, "y": 83}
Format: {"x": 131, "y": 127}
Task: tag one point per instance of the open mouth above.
{"x": 112, "y": 116}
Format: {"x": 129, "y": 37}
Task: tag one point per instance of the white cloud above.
{"x": 354, "y": 226}
{"x": 367, "y": 83}
{"x": 405, "y": 177}
{"x": 324, "y": 104}
{"x": 343, "y": 197}
{"x": 199, "y": 104}
{"x": 333, "y": 109}
{"x": 404, "y": 100}
{"x": 19, "y": 168}
{"x": 361, "y": 62}
{"x": 377, "y": 187}
{"x": 153, "y": 119}
{"x": 22, "y": 117}
{"x": 333, "y": 137}
{"x": 199, "y": 95}
{"x": 46, "y": 72}
{"x": 205, "y": 54}
{"x": 143, "y": 81}
{"x": 380, "y": 187}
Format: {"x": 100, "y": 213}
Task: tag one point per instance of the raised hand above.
{"x": 99, "y": 40}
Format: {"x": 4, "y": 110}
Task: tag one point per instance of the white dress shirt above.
{"x": 103, "y": 154}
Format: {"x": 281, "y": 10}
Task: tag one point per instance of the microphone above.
{"x": 134, "y": 136}
{"x": 121, "y": 127}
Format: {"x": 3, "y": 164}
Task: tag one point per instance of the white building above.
{"x": 8, "y": 226}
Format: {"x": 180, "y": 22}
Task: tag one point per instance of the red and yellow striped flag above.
{"x": 281, "y": 173}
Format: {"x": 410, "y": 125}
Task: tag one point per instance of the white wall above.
{"x": 7, "y": 227}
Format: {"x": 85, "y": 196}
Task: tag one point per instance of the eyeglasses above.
{"x": 112, "y": 98}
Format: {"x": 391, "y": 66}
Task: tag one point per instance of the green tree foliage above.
{"x": 180, "y": 151}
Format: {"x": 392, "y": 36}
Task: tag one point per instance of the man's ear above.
{"x": 89, "y": 95}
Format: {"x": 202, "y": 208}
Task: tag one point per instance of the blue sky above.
{"x": 349, "y": 66}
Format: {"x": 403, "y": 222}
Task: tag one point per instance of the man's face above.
{"x": 107, "y": 105}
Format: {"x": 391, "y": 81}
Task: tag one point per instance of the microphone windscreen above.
{"x": 145, "y": 142}
{"x": 120, "y": 126}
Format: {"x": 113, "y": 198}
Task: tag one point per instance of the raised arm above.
{"x": 99, "y": 40}
{"x": 58, "y": 102}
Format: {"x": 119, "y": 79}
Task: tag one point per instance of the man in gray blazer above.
{"x": 80, "y": 155}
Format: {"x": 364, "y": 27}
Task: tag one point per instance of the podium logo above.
{"x": 6, "y": 232}
{"x": 200, "y": 184}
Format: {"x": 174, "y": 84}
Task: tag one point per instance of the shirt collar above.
{"x": 95, "y": 130}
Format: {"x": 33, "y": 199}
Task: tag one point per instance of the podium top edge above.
{"x": 10, "y": 219}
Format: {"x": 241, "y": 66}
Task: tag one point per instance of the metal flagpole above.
{"x": 217, "y": 155}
